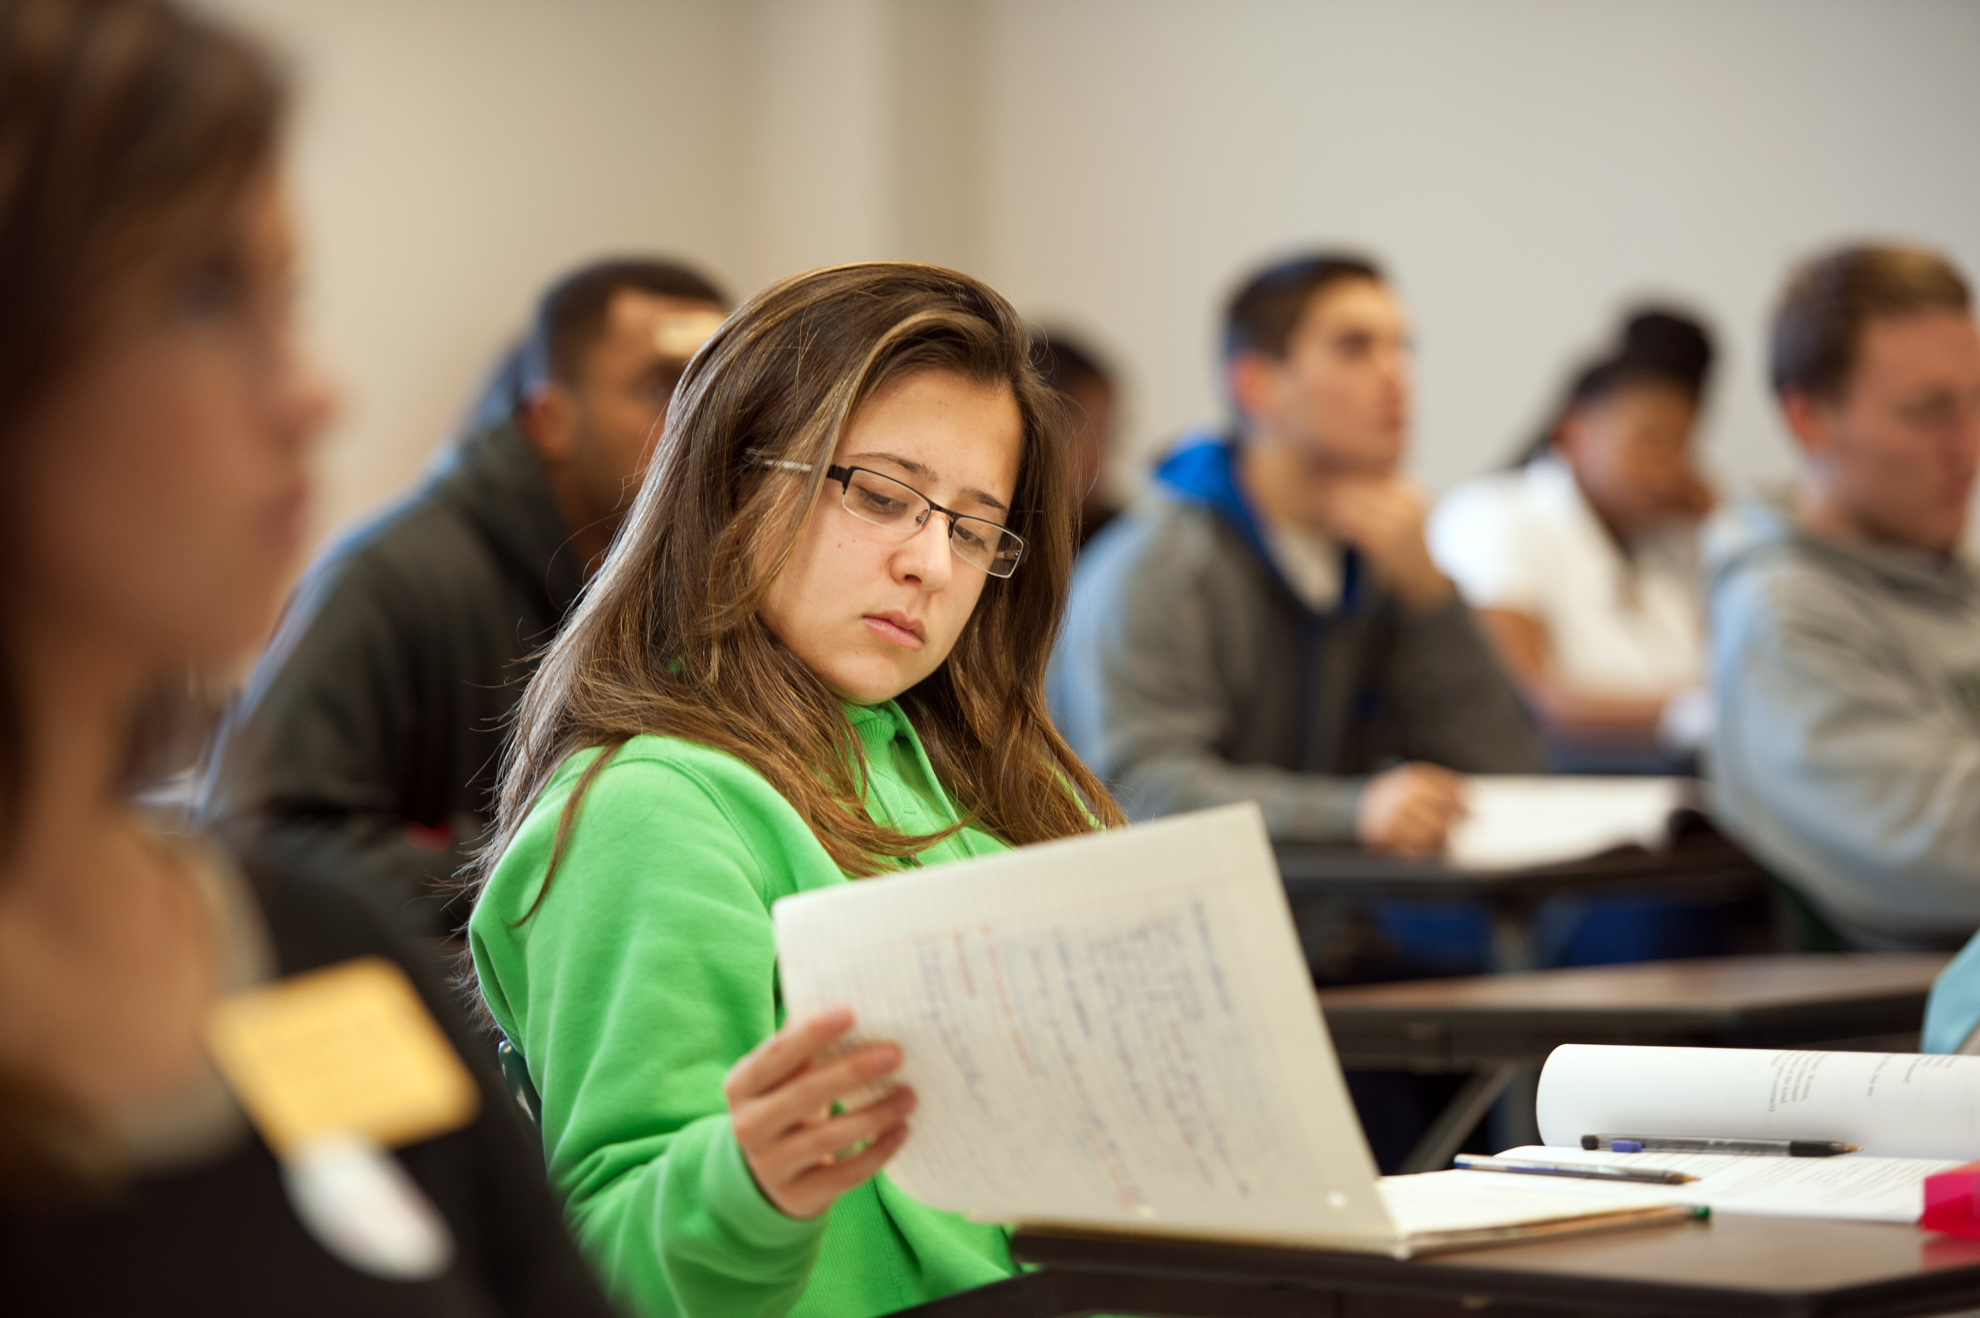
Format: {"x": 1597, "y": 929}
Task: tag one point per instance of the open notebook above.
{"x": 1118, "y": 1032}
{"x": 1912, "y": 1115}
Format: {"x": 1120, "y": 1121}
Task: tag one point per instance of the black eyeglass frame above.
{"x": 844, "y": 475}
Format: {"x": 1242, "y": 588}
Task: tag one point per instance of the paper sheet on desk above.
{"x": 1854, "y": 1187}
{"x": 1517, "y": 821}
{"x": 1438, "y": 1203}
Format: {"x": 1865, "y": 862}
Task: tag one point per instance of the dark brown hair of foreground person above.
{"x": 128, "y": 132}
{"x": 1819, "y": 321}
{"x": 668, "y": 640}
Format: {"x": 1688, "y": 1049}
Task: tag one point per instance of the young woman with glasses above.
{"x": 815, "y": 653}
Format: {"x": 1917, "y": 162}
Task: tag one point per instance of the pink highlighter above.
{"x": 1952, "y": 1202}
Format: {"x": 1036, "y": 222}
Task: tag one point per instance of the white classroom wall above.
{"x": 1524, "y": 167}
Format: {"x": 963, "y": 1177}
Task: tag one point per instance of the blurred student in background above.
{"x": 365, "y": 747}
{"x": 1075, "y": 371}
{"x": 1270, "y": 625}
{"x": 1845, "y": 621}
{"x": 156, "y": 418}
{"x": 1582, "y": 560}
{"x": 816, "y": 653}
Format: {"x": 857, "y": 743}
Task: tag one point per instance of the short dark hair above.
{"x": 1064, "y": 361}
{"x": 570, "y": 316}
{"x": 1262, "y": 315}
{"x": 1818, "y": 323}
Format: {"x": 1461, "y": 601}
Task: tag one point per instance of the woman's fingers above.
{"x": 816, "y": 1146}
{"x": 799, "y": 1099}
{"x": 817, "y": 1188}
{"x": 785, "y": 1053}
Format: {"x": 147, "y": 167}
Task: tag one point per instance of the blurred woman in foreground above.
{"x": 155, "y": 425}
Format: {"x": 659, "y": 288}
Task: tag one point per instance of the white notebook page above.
{"x": 1854, "y": 1187}
{"x": 1115, "y": 1029}
{"x": 1516, "y": 820}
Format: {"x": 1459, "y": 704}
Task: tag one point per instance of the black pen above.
{"x": 1581, "y": 1171}
{"x": 1686, "y": 1144}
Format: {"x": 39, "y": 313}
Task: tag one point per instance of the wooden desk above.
{"x": 1699, "y": 863}
{"x": 1730, "y": 1267}
{"x": 1496, "y": 1025}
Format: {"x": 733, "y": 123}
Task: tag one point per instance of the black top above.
{"x": 364, "y": 750}
{"x": 222, "y": 1239}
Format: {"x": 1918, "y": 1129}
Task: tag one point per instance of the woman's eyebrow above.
{"x": 925, "y": 472}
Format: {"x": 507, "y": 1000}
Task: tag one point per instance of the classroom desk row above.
{"x": 1499, "y": 1030}
{"x": 1728, "y": 1267}
{"x": 1499, "y": 1027}
{"x": 1699, "y": 864}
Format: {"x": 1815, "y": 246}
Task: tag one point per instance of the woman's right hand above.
{"x": 780, "y": 1106}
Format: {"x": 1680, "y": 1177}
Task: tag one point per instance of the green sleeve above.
{"x": 646, "y": 972}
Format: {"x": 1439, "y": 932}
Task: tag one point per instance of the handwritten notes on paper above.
{"x": 1116, "y": 1028}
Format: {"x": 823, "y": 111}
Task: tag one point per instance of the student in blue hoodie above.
{"x": 1270, "y": 624}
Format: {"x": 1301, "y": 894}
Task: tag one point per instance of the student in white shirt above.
{"x": 1581, "y": 561}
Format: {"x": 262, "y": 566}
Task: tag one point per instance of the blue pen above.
{"x": 1685, "y": 1144}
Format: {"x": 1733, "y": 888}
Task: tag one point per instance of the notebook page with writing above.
{"x": 1113, "y": 1030}
{"x": 1897, "y": 1105}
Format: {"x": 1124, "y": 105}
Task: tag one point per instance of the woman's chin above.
{"x": 873, "y": 683}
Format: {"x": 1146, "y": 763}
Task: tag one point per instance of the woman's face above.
{"x": 1631, "y": 455}
{"x": 871, "y": 611}
{"x": 168, "y": 479}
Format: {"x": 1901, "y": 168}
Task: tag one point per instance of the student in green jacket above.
{"x": 815, "y": 653}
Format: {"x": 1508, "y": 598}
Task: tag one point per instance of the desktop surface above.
{"x": 1738, "y": 1267}
{"x": 1869, "y": 999}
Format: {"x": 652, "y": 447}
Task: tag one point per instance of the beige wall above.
{"x": 1523, "y": 166}
{"x": 453, "y": 155}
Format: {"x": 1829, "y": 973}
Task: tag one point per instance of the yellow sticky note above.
{"x": 347, "y": 1050}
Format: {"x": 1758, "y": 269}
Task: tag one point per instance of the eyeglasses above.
{"x": 885, "y": 502}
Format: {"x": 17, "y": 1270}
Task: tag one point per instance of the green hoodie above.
{"x": 647, "y": 971}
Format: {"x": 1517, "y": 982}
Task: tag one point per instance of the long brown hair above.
{"x": 128, "y": 131}
{"x": 668, "y": 641}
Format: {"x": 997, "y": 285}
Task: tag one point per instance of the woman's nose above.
{"x": 925, "y": 556}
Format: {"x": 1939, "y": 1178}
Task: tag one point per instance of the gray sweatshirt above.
{"x": 1847, "y": 754}
{"x": 1190, "y": 675}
